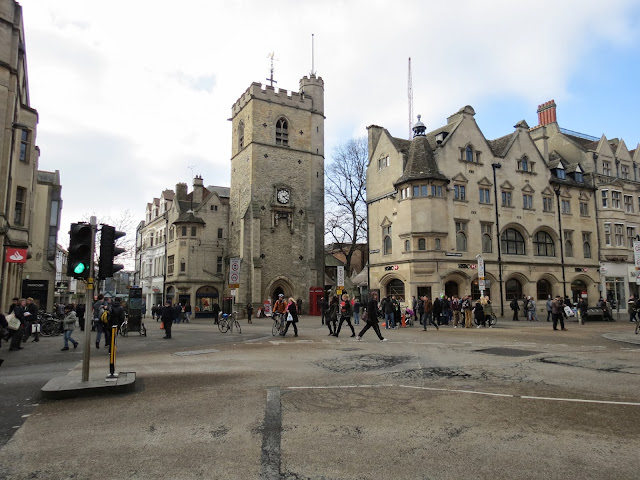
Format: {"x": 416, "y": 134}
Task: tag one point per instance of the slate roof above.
{"x": 223, "y": 192}
{"x": 188, "y": 217}
{"x": 585, "y": 143}
{"x": 420, "y": 161}
{"x": 499, "y": 145}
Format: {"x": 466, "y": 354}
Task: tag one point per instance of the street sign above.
{"x": 340, "y": 279}
{"x": 234, "y": 273}
{"x": 636, "y": 253}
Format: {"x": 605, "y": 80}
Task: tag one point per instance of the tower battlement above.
{"x": 270, "y": 94}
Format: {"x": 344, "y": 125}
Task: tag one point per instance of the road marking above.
{"x": 196, "y": 352}
{"x": 328, "y": 387}
{"x": 271, "y": 436}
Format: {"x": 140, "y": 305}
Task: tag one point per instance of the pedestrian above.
{"x": 167, "y": 315}
{"x": 456, "y": 307}
{"x": 291, "y": 312}
{"x": 397, "y": 313}
{"x": 582, "y": 309}
{"x": 177, "y": 313}
{"x": 437, "y": 311}
{"x": 216, "y": 312}
{"x": 428, "y": 315}
{"x": 332, "y": 315}
{"x": 632, "y": 309}
{"x": 356, "y": 311}
{"x": 487, "y": 308}
{"x": 98, "y": 308}
{"x": 370, "y": 317}
{"x": 32, "y": 310}
{"x": 16, "y": 335}
{"x": 345, "y": 315}
{"x": 187, "y": 313}
{"x": 420, "y": 310}
{"x": 116, "y": 318}
{"x": 13, "y": 305}
{"x": 389, "y": 321}
{"x": 515, "y": 307}
{"x": 61, "y": 309}
{"x": 467, "y": 308}
{"x": 549, "y": 308}
{"x": 478, "y": 314}
{"x": 532, "y": 316}
{"x": 299, "y": 306}
{"x": 324, "y": 306}
{"x": 80, "y": 311}
{"x": 68, "y": 324}
{"x": 446, "y": 310}
{"x": 249, "y": 312}
{"x": 556, "y": 311}
{"x": 144, "y": 309}
{"x": 4, "y": 331}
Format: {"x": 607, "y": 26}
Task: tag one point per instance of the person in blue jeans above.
{"x": 68, "y": 324}
{"x": 389, "y": 314}
{"x": 356, "y": 312}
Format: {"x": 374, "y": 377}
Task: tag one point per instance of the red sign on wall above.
{"x": 16, "y": 255}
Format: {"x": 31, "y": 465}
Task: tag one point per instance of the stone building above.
{"x": 612, "y": 169}
{"x": 432, "y": 212}
{"x": 276, "y": 220}
{"x": 40, "y": 270}
{"x": 18, "y": 153}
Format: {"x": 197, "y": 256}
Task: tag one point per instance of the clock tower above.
{"x": 276, "y": 219}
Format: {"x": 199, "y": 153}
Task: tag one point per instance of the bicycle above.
{"x": 50, "y": 326}
{"x": 490, "y": 322}
{"x": 124, "y": 328}
{"x": 227, "y": 322}
{"x": 278, "y": 323}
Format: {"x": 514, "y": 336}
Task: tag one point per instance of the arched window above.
{"x": 241, "y": 135}
{"x": 543, "y": 244}
{"x": 407, "y": 245}
{"x": 422, "y": 244}
{"x": 438, "y": 244}
{"x": 523, "y": 164}
{"x": 386, "y": 240}
{"x": 396, "y": 287}
{"x": 512, "y": 242}
{"x": 568, "y": 248}
{"x": 461, "y": 236}
{"x": 586, "y": 247}
{"x": 282, "y": 132}
{"x": 513, "y": 289}
{"x": 468, "y": 154}
{"x": 543, "y": 289}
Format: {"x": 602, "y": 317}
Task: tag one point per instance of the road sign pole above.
{"x": 88, "y": 310}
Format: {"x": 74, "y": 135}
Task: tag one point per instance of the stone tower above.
{"x": 276, "y": 222}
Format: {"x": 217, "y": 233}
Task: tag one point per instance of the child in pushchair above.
{"x": 408, "y": 317}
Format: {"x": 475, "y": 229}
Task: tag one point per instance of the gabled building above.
{"x": 612, "y": 170}
{"x": 439, "y": 201}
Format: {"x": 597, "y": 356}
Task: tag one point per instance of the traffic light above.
{"x": 79, "y": 259}
{"x": 108, "y": 250}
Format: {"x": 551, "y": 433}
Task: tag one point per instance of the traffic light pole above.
{"x": 89, "y": 304}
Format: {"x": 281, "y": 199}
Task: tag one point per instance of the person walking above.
{"x": 456, "y": 307}
{"x": 68, "y": 324}
{"x": 467, "y": 310}
{"x": 345, "y": 315}
{"x": 324, "y": 306}
{"x": 420, "y": 310}
{"x": 80, "y": 311}
{"x": 428, "y": 315}
{"x": 387, "y": 306}
{"x": 478, "y": 313}
{"x": 332, "y": 315}
{"x": 532, "y": 316}
{"x": 446, "y": 310}
{"x": 515, "y": 307}
{"x": 437, "y": 311}
{"x": 356, "y": 311}
{"x": 32, "y": 310}
{"x": 177, "y": 313}
{"x": 549, "y": 308}
{"x": 167, "y": 315}
{"x": 370, "y": 317}
{"x": 632, "y": 309}
{"x": 487, "y": 308}
{"x": 16, "y": 335}
{"x": 291, "y": 311}
{"x": 249, "y": 312}
{"x": 216, "y": 312}
{"x": 187, "y": 313}
{"x": 116, "y": 318}
{"x": 556, "y": 311}
{"x": 299, "y": 306}
{"x": 98, "y": 308}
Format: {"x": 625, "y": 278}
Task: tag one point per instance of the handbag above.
{"x": 35, "y": 328}
{"x": 161, "y": 325}
{"x": 289, "y": 317}
{"x": 12, "y": 320}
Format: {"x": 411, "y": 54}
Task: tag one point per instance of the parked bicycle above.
{"x": 50, "y": 326}
{"x": 278, "y": 323}
{"x": 491, "y": 321}
{"x": 228, "y": 322}
{"x": 124, "y": 328}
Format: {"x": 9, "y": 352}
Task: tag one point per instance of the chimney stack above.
{"x": 198, "y": 190}
{"x": 547, "y": 113}
{"x": 181, "y": 191}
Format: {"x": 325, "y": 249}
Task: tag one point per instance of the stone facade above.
{"x": 277, "y": 191}
{"x": 18, "y": 152}
{"x": 432, "y": 212}
{"x": 613, "y": 171}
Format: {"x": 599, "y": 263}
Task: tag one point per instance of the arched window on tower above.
{"x": 241, "y": 135}
{"x": 282, "y": 132}
{"x": 386, "y": 240}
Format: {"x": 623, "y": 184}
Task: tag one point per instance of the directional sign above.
{"x": 234, "y": 273}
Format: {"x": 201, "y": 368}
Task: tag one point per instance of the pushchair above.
{"x": 408, "y": 317}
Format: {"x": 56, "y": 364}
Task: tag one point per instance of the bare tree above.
{"x": 124, "y": 222}
{"x": 345, "y": 197}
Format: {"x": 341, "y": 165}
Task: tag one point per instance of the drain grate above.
{"x": 508, "y": 352}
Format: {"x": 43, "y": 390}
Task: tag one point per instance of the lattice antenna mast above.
{"x": 272, "y": 57}
{"x": 313, "y": 71}
{"x": 410, "y": 95}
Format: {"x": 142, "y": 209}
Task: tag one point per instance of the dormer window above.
{"x": 578, "y": 177}
{"x": 440, "y": 137}
{"x": 560, "y": 173}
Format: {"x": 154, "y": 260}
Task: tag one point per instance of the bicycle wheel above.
{"x": 275, "y": 328}
{"x": 637, "y": 326}
{"x": 223, "y": 325}
{"x": 143, "y": 330}
{"x": 47, "y": 328}
{"x": 123, "y": 330}
{"x": 238, "y": 326}
{"x": 493, "y": 320}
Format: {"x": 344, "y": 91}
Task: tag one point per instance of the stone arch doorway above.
{"x": 276, "y": 292}
{"x": 451, "y": 288}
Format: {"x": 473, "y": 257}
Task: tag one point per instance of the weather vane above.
{"x": 272, "y": 57}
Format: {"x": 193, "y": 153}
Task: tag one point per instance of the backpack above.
{"x": 104, "y": 317}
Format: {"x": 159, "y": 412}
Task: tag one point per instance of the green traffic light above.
{"x": 79, "y": 268}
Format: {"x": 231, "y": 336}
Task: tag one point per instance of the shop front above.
{"x": 206, "y": 297}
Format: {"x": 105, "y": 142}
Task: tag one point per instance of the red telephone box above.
{"x": 315, "y": 294}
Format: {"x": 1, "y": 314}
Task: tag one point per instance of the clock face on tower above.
{"x": 282, "y": 196}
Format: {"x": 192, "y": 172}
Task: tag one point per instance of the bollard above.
{"x": 112, "y": 356}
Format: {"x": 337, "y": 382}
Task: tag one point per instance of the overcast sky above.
{"x": 134, "y": 96}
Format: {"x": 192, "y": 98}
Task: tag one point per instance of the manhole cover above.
{"x": 508, "y": 352}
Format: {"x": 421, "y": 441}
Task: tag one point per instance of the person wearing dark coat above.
{"x": 293, "y": 310}
{"x": 167, "y": 315}
{"x": 478, "y": 314}
{"x": 371, "y": 318}
{"x": 216, "y": 312}
{"x": 249, "y": 312}
{"x": 80, "y": 311}
{"x": 515, "y": 307}
{"x": 345, "y": 315}
{"x": 331, "y": 315}
{"x": 16, "y": 335}
{"x": 324, "y": 306}
{"x": 437, "y": 310}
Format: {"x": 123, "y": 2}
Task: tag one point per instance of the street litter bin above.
{"x": 594, "y": 313}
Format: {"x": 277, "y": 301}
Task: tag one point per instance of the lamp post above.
{"x": 564, "y": 281}
{"x": 495, "y": 196}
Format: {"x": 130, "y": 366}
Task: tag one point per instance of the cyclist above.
{"x": 279, "y": 308}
